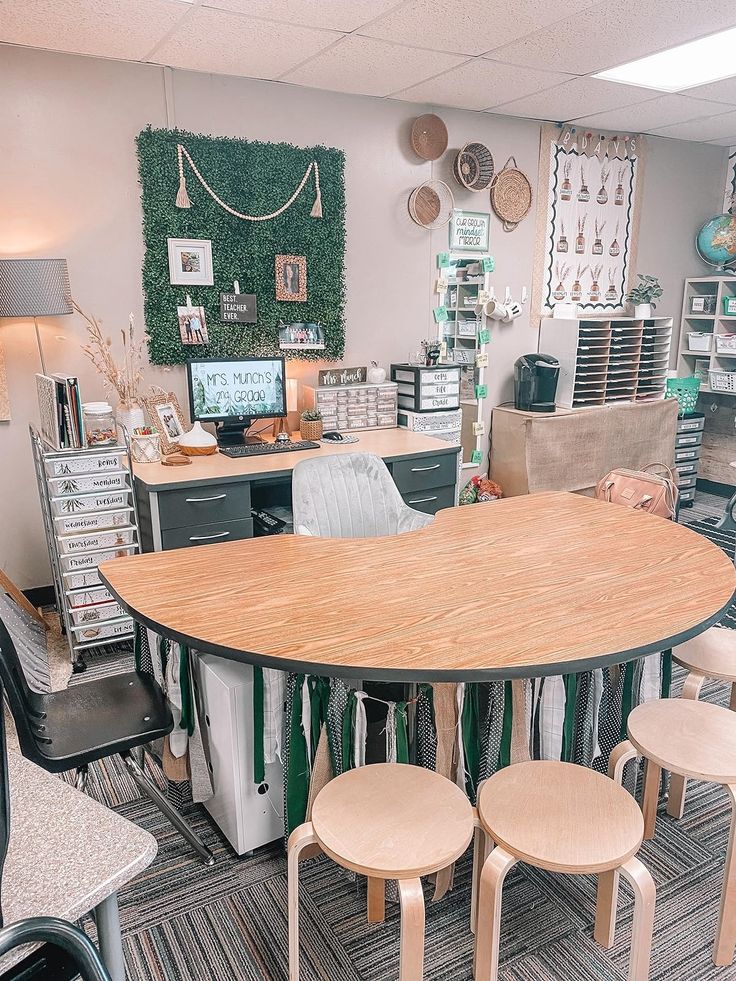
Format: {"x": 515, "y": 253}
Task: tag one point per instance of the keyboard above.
{"x": 258, "y": 449}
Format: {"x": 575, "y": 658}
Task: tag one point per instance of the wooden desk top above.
{"x": 390, "y": 444}
{"x": 67, "y": 852}
{"x": 521, "y": 587}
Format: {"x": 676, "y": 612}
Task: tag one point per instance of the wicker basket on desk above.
{"x": 311, "y": 428}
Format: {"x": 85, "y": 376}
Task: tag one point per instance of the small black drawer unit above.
{"x": 427, "y": 483}
{"x": 427, "y": 389}
{"x": 688, "y": 442}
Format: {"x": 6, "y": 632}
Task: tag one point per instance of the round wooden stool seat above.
{"x": 712, "y": 653}
{"x": 561, "y": 817}
{"x": 392, "y": 821}
{"x": 694, "y": 739}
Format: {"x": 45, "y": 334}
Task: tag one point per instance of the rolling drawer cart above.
{"x": 89, "y": 515}
{"x": 688, "y": 441}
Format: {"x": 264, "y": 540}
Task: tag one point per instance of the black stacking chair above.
{"x": 69, "y": 729}
{"x": 78, "y": 955}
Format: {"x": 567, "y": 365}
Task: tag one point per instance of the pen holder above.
{"x": 146, "y": 449}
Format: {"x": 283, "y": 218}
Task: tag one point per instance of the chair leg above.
{"x": 154, "y": 794}
{"x": 80, "y": 780}
{"x": 376, "y": 900}
{"x": 641, "y": 935}
{"x": 606, "y": 907}
{"x": 411, "y": 900}
{"x": 482, "y": 847}
{"x": 650, "y": 797}
{"x": 620, "y": 756}
{"x": 726, "y": 930}
{"x": 678, "y": 783}
{"x": 299, "y": 839}
{"x": 487, "y": 941}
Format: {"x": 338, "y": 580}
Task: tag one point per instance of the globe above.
{"x": 716, "y": 241}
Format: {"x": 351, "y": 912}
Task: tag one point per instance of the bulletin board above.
{"x": 256, "y": 179}
{"x": 587, "y": 219}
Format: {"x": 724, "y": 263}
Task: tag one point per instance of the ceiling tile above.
{"x": 615, "y": 32}
{"x": 106, "y": 28}
{"x": 661, "y": 111}
{"x": 338, "y": 15}
{"x": 370, "y": 67}
{"x": 715, "y": 128}
{"x": 479, "y": 84}
{"x": 472, "y": 26}
{"x": 723, "y": 91}
{"x": 576, "y": 98}
{"x": 229, "y": 44}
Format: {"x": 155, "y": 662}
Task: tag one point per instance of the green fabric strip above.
{"x": 504, "y": 756}
{"x": 666, "y": 674}
{"x": 627, "y": 699}
{"x": 163, "y": 653}
{"x": 259, "y": 759}
{"x": 348, "y": 725}
{"x": 185, "y": 684}
{"x": 297, "y": 776}
{"x": 402, "y": 733}
{"x": 568, "y": 725}
{"x": 471, "y": 739}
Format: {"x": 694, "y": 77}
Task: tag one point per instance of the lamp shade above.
{"x": 34, "y": 288}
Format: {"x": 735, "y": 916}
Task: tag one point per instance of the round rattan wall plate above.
{"x": 511, "y": 195}
{"x": 431, "y": 204}
{"x": 473, "y": 167}
{"x": 429, "y": 137}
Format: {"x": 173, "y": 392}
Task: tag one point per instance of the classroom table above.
{"x": 525, "y": 587}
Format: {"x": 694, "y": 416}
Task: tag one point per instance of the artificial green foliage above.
{"x": 254, "y": 178}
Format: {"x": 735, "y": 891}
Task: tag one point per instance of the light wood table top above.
{"x": 390, "y": 444}
{"x": 520, "y": 587}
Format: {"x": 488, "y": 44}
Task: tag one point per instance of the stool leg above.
{"x": 650, "y": 797}
{"x": 376, "y": 900}
{"x": 606, "y": 907}
{"x": 678, "y": 784}
{"x": 726, "y": 929}
{"x": 641, "y": 935}
{"x": 411, "y": 900}
{"x": 487, "y": 941}
{"x": 482, "y": 847}
{"x": 299, "y": 839}
{"x": 620, "y": 756}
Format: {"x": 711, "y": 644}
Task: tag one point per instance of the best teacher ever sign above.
{"x": 470, "y": 231}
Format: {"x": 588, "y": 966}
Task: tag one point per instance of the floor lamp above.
{"x": 35, "y": 288}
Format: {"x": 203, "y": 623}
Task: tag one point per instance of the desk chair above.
{"x": 82, "y": 957}
{"x": 66, "y": 730}
{"x": 351, "y": 495}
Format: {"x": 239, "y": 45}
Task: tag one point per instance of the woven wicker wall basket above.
{"x": 511, "y": 195}
{"x": 431, "y": 204}
{"x": 473, "y": 167}
{"x": 429, "y": 137}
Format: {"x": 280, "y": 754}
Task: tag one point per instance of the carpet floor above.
{"x": 184, "y": 922}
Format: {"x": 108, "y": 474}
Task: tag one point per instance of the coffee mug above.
{"x": 513, "y": 310}
{"x": 495, "y": 310}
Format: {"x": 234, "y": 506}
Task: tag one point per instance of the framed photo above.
{"x": 470, "y": 231}
{"x": 291, "y": 278}
{"x": 166, "y": 416}
{"x": 192, "y": 325}
{"x": 190, "y": 261}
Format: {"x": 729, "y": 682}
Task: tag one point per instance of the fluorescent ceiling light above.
{"x": 695, "y": 63}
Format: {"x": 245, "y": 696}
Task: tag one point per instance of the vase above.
{"x": 311, "y": 429}
{"x": 197, "y": 442}
{"x": 642, "y": 311}
{"x": 562, "y": 244}
{"x": 129, "y": 416}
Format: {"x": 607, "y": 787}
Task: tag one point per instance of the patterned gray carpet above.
{"x": 184, "y": 922}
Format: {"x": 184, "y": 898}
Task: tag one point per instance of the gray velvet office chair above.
{"x": 350, "y": 495}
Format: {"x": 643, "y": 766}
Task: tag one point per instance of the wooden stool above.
{"x": 385, "y": 821}
{"x": 690, "y": 739}
{"x": 711, "y": 654}
{"x": 563, "y": 818}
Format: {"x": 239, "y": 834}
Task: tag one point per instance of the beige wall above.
{"x": 68, "y": 187}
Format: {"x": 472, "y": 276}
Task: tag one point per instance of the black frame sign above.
{"x": 238, "y": 308}
{"x": 332, "y": 377}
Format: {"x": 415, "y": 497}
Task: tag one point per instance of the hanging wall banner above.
{"x": 469, "y": 231}
{"x": 729, "y": 197}
{"x": 587, "y": 220}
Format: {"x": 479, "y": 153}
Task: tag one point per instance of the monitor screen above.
{"x": 226, "y": 388}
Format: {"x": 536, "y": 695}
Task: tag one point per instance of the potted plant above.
{"x": 643, "y": 295}
{"x": 310, "y": 424}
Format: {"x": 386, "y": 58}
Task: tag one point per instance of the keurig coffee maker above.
{"x": 535, "y": 382}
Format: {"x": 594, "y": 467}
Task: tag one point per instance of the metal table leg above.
{"x": 109, "y": 940}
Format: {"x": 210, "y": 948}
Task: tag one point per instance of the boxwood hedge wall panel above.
{"x": 254, "y": 178}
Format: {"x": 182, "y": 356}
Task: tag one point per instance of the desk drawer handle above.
{"x": 200, "y": 500}
{"x": 204, "y": 538}
{"x": 422, "y": 500}
{"x": 435, "y": 466}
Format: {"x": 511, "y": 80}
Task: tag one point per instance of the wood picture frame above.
{"x": 166, "y": 417}
{"x": 291, "y": 278}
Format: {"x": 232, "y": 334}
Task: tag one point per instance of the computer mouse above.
{"x": 333, "y": 436}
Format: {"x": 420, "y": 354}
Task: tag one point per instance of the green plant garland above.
{"x": 255, "y": 178}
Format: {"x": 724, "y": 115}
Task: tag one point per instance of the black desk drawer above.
{"x": 203, "y": 505}
{"x": 220, "y": 531}
{"x": 431, "y": 501}
{"x": 429, "y": 471}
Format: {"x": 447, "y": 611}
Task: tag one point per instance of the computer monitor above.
{"x": 234, "y": 392}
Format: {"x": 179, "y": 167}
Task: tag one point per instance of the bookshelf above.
{"x": 716, "y": 363}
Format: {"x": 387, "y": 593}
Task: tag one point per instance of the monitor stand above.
{"x": 233, "y": 433}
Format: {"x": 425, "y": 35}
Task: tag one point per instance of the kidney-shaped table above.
{"x": 528, "y": 586}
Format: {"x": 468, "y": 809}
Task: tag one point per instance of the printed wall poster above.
{"x": 729, "y": 197}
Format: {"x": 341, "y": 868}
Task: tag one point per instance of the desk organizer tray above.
{"x": 87, "y": 503}
{"x": 90, "y": 560}
{"x": 81, "y": 579}
{"x": 88, "y": 597}
{"x": 83, "y": 463}
{"x": 87, "y": 633}
{"x": 111, "y": 538}
{"x": 85, "y": 483}
{"x": 96, "y": 614}
{"x": 79, "y": 524}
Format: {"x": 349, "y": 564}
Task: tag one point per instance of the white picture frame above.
{"x": 190, "y": 262}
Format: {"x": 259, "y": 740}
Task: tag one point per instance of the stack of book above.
{"x": 60, "y": 406}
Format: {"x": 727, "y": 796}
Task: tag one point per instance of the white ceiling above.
{"x": 516, "y": 57}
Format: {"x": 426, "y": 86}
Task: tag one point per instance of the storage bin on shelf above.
{"x": 685, "y": 390}
{"x": 698, "y": 340}
{"x": 725, "y": 343}
{"x": 722, "y": 381}
{"x": 729, "y": 306}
